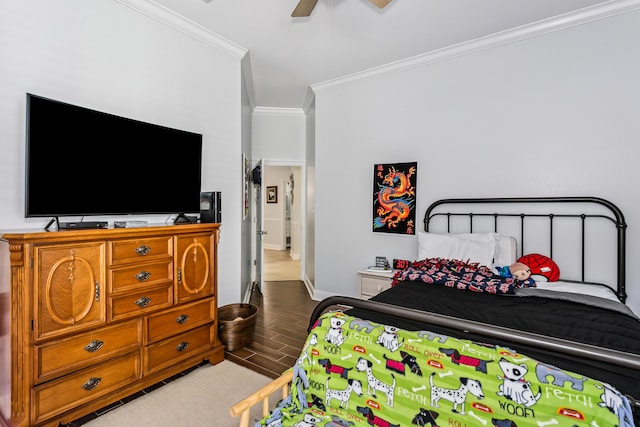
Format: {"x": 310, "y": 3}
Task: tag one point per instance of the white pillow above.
{"x": 505, "y": 253}
{"x": 472, "y": 247}
{"x": 505, "y": 250}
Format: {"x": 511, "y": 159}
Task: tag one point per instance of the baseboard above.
{"x": 273, "y": 247}
{"x": 247, "y": 294}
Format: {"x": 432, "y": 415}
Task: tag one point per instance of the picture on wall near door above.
{"x": 394, "y": 198}
{"x": 245, "y": 186}
{"x": 272, "y": 194}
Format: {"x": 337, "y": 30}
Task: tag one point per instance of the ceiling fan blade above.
{"x": 304, "y": 8}
{"x": 380, "y": 3}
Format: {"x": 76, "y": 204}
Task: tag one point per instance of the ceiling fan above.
{"x": 305, "y": 7}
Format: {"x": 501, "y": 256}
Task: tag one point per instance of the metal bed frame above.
{"x": 566, "y": 347}
{"x": 614, "y": 215}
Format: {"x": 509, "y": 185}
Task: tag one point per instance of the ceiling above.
{"x": 342, "y": 37}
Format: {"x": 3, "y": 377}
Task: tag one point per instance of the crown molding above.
{"x": 514, "y": 35}
{"x": 185, "y": 26}
{"x": 279, "y": 111}
{"x": 247, "y": 75}
{"x": 309, "y": 100}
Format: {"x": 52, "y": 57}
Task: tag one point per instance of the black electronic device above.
{"x": 85, "y": 162}
{"x": 82, "y": 225}
{"x": 211, "y": 206}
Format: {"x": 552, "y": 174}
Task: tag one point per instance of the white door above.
{"x": 259, "y": 196}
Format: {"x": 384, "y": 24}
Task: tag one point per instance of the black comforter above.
{"x": 558, "y": 318}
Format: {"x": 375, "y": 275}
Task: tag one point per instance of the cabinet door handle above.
{"x": 182, "y": 346}
{"x": 97, "y": 292}
{"x": 179, "y": 275}
{"x": 94, "y": 346}
{"x": 143, "y": 276}
{"x": 143, "y": 301}
{"x": 182, "y": 319}
{"x": 91, "y": 383}
{"x": 143, "y": 250}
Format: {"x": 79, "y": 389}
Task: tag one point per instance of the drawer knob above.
{"x": 182, "y": 319}
{"x": 143, "y": 276}
{"x": 143, "y": 250}
{"x": 182, "y": 346}
{"x": 91, "y": 383}
{"x": 94, "y": 346}
{"x": 143, "y": 301}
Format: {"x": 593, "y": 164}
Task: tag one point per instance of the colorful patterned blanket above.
{"x": 457, "y": 274}
{"x": 353, "y": 372}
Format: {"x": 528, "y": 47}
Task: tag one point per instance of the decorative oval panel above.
{"x": 195, "y": 268}
{"x": 70, "y": 290}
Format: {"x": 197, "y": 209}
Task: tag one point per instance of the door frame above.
{"x": 258, "y": 270}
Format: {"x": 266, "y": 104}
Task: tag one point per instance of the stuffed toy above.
{"x": 542, "y": 266}
{"x": 519, "y": 271}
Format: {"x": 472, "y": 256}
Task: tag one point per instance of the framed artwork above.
{"x": 394, "y": 198}
{"x": 245, "y": 185}
{"x": 272, "y": 194}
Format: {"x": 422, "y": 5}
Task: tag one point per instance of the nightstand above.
{"x": 374, "y": 282}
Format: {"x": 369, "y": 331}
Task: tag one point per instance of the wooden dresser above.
{"x": 91, "y": 316}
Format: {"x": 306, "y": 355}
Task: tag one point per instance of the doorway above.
{"x": 279, "y": 266}
{"x": 282, "y": 219}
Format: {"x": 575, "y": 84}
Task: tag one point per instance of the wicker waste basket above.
{"x": 237, "y": 325}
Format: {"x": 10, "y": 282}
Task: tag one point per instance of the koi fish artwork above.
{"x": 394, "y": 197}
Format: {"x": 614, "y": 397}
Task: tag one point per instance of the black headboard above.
{"x": 526, "y": 208}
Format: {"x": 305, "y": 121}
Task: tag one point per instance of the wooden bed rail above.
{"x": 243, "y": 408}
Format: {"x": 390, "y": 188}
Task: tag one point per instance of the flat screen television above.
{"x": 84, "y": 162}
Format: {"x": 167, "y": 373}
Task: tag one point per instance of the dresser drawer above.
{"x": 122, "y": 251}
{"x": 171, "y": 350}
{"x": 371, "y": 284}
{"x": 178, "y": 320}
{"x": 140, "y": 302}
{"x": 132, "y": 277}
{"x": 58, "y": 396}
{"x": 58, "y": 357}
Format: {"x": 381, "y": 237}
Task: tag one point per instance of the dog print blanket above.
{"x": 353, "y": 372}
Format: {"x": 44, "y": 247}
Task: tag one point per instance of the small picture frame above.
{"x": 382, "y": 262}
{"x": 272, "y": 194}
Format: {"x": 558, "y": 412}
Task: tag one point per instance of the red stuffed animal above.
{"x": 541, "y": 265}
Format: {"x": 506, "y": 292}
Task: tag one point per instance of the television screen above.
{"x": 84, "y": 162}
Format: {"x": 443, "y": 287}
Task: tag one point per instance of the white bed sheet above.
{"x": 579, "y": 288}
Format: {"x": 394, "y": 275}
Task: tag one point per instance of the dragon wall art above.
{"x": 394, "y": 198}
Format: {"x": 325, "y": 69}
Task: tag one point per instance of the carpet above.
{"x": 201, "y": 398}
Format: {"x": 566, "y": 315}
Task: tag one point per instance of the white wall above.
{"x": 310, "y": 191}
{"x": 108, "y": 56}
{"x": 550, "y": 115}
{"x": 274, "y": 213}
{"x": 296, "y": 214}
{"x": 278, "y": 134}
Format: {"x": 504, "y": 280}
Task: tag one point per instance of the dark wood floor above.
{"x": 284, "y": 308}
